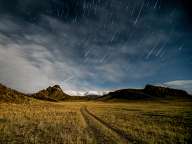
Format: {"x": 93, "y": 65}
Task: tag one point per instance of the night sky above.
{"x": 95, "y": 45}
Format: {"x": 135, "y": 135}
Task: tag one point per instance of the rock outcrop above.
{"x": 54, "y": 93}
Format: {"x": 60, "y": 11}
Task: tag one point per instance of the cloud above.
{"x": 64, "y": 10}
{"x": 36, "y": 58}
{"x": 97, "y": 46}
{"x": 181, "y": 84}
{"x": 84, "y": 93}
{"x": 17, "y": 72}
{"x": 45, "y": 58}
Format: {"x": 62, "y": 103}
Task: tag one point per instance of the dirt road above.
{"x": 101, "y": 131}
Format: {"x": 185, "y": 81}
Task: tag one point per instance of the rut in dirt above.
{"x": 101, "y": 131}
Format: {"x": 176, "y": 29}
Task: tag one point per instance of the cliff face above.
{"x": 164, "y": 92}
{"x": 54, "y": 93}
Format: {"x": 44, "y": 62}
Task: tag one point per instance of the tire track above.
{"x": 102, "y": 131}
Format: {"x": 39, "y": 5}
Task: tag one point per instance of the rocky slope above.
{"x": 54, "y": 93}
{"x": 10, "y": 95}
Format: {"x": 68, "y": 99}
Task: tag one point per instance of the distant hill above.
{"x": 10, "y": 95}
{"x": 125, "y": 94}
{"x": 54, "y": 93}
{"x": 163, "y": 92}
{"x": 149, "y": 92}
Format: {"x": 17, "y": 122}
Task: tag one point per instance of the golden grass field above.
{"x": 96, "y": 122}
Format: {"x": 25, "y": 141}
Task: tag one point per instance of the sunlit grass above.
{"x": 42, "y": 123}
{"x": 142, "y": 122}
{"x": 149, "y": 122}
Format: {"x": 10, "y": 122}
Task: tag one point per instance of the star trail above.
{"x": 96, "y": 45}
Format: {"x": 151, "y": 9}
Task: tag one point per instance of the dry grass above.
{"x": 51, "y": 123}
{"x": 42, "y": 123}
{"x": 149, "y": 122}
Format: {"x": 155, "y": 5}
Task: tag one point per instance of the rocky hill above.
{"x": 149, "y": 92}
{"x": 54, "y": 93}
{"x": 163, "y": 92}
{"x": 10, "y": 95}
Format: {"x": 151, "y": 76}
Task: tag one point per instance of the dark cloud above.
{"x": 94, "y": 44}
{"x": 66, "y": 10}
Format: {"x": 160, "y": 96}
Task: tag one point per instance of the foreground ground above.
{"x": 96, "y": 122}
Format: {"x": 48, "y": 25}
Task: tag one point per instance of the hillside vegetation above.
{"x": 10, "y": 95}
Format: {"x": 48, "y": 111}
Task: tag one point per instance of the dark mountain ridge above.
{"x": 149, "y": 92}
{"x": 159, "y": 91}
{"x": 55, "y": 93}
